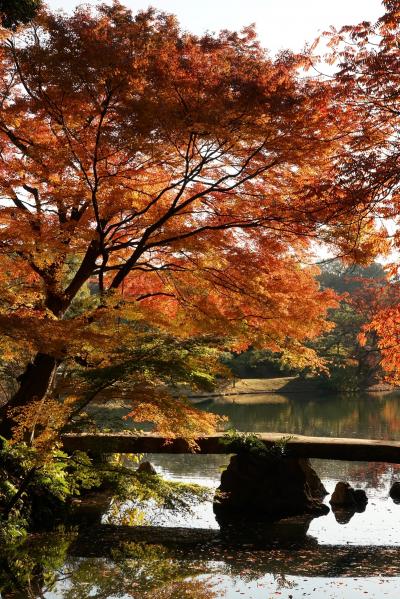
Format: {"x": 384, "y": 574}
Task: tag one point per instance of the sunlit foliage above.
{"x": 367, "y": 60}
{"x": 179, "y": 179}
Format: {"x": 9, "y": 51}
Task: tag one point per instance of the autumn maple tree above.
{"x": 353, "y": 362}
{"x": 367, "y": 64}
{"x": 177, "y": 180}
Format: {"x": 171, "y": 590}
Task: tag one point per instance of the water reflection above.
{"x": 377, "y": 525}
{"x": 59, "y": 567}
{"x": 45, "y": 568}
{"x": 318, "y": 558}
{"x": 357, "y": 416}
{"x": 363, "y": 415}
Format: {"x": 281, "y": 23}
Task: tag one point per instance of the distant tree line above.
{"x": 351, "y": 361}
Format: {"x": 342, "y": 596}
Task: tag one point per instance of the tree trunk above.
{"x": 34, "y": 384}
{"x": 38, "y": 376}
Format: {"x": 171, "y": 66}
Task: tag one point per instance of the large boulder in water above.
{"x": 268, "y": 488}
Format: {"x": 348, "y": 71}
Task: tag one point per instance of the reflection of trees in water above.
{"x": 189, "y": 465}
{"x": 361, "y": 416}
{"x": 343, "y": 416}
{"x": 31, "y": 571}
{"x": 135, "y": 570}
{"x": 366, "y": 474}
{"x": 145, "y": 571}
{"x": 154, "y": 571}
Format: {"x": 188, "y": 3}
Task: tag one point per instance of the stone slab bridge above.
{"x": 297, "y": 446}
{"x": 262, "y": 486}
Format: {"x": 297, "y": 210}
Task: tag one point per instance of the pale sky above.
{"x": 280, "y": 23}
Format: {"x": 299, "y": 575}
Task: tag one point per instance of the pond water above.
{"x": 326, "y": 558}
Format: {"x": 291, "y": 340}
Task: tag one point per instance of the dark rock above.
{"x": 361, "y": 499}
{"x": 315, "y": 485}
{"x": 343, "y": 516}
{"x": 395, "y": 492}
{"x": 268, "y": 488}
{"x": 146, "y": 468}
{"x": 345, "y": 496}
{"x": 346, "y": 501}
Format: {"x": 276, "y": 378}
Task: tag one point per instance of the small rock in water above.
{"x": 345, "y": 496}
{"x": 346, "y": 501}
{"x": 395, "y": 492}
{"x": 360, "y": 497}
{"x": 146, "y": 468}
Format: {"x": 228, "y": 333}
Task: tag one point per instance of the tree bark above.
{"x": 34, "y": 384}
